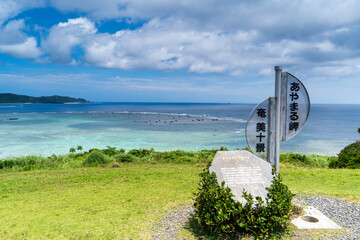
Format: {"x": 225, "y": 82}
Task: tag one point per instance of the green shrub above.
{"x": 180, "y": 156}
{"x": 109, "y": 150}
{"x": 79, "y": 159}
{"x": 333, "y": 161}
{"x": 95, "y": 158}
{"x": 219, "y": 215}
{"x": 349, "y": 157}
{"x": 298, "y": 159}
{"x": 55, "y": 161}
{"x": 123, "y": 157}
{"x": 24, "y": 163}
{"x": 94, "y": 149}
{"x": 10, "y": 163}
{"x": 141, "y": 153}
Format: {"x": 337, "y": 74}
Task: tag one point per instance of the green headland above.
{"x": 14, "y": 98}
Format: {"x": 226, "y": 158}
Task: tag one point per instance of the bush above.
{"x": 217, "y": 213}
{"x": 109, "y": 150}
{"x": 95, "y": 158}
{"x": 349, "y": 157}
{"x": 10, "y": 163}
{"x": 141, "y": 153}
{"x": 305, "y": 160}
{"x": 333, "y": 161}
{"x": 180, "y": 156}
{"x": 123, "y": 157}
{"x": 34, "y": 162}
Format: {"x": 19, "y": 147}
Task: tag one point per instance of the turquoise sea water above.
{"x": 54, "y": 128}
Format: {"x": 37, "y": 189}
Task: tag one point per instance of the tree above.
{"x": 72, "y": 150}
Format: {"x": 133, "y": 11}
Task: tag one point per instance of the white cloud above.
{"x": 266, "y": 72}
{"x": 235, "y": 38}
{"x": 226, "y": 15}
{"x": 160, "y": 45}
{"x": 140, "y": 84}
{"x": 11, "y": 33}
{"x": 10, "y": 8}
{"x": 16, "y": 43}
{"x": 338, "y": 69}
{"x": 25, "y": 49}
{"x": 65, "y": 36}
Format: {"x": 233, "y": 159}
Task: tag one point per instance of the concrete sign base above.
{"x": 314, "y": 219}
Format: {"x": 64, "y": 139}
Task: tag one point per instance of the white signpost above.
{"x": 260, "y": 130}
{"x": 278, "y": 118}
{"x": 295, "y": 106}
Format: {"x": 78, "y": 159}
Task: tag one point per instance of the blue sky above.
{"x": 179, "y": 51}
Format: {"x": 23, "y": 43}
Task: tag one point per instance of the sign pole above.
{"x": 278, "y": 118}
{"x": 278, "y": 70}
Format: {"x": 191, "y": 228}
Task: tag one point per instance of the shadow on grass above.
{"x": 193, "y": 226}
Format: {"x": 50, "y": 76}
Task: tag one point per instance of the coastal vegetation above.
{"x": 116, "y": 194}
{"x": 95, "y": 157}
{"x": 219, "y": 216}
{"x": 349, "y": 157}
{"x": 14, "y": 98}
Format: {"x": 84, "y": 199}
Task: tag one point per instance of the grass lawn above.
{"x": 339, "y": 183}
{"x": 125, "y": 202}
{"x": 92, "y": 203}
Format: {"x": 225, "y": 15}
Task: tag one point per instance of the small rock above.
{"x": 298, "y": 208}
{"x": 115, "y": 164}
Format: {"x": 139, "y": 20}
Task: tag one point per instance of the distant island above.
{"x": 14, "y": 98}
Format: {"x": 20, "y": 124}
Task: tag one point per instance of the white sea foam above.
{"x": 240, "y": 131}
{"x": 204, "y": 116}
{"x": 55, "y": 131}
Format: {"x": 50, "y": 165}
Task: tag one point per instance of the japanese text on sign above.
{"x": 294, "y": 106}
{"x": 261, "y": 130}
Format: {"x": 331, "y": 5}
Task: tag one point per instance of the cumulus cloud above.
{"x": 65, "y": 36}
{"x": 26, "y": 49}
{"x": 16, "y": 43}
{"x": 228, "y": 37}
{"x": 11, "y": 32}
{"x": 228, "y": 14}
{"x": 10, "y": 8}
{"x": 157, "y": 46}
{"x": 161, "y": 45}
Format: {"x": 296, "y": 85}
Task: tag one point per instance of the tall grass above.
{"x": 96, "y": 157}
{"x": 303, "y": 160}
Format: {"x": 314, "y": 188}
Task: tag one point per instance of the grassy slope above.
{"x": 339, "y": 183}
{"x": 92, "y": 203}
{"x": 125, "y": 202}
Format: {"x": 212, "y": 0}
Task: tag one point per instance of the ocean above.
{"x": 45, "y": 129}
